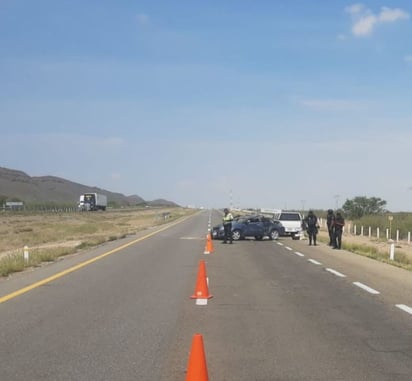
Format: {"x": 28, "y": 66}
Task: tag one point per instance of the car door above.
{"x": 253, "y": 227}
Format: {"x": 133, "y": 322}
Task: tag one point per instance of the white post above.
{"x": 349, "y": 228}
{"x": 354, "y": 230}
{"x": 26, "y": 253}
{"x": 387, "y": 233}
{"x": 370, "y": 232}
{"x": 391, "y": 250}
{"x": 377, "y": 232}
{"x": 409, "y": 238}
{"x": 361, "y": 231}
{"x": 397, "y": 235}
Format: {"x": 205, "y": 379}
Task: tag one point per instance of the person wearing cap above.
{"x": 338, "y": 229}
{"x": 312, "y": 227}
{"x": 330, "y": 220}
{"x": 227, "y": 225}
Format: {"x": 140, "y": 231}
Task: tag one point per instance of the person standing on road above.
{"x": 227, "y": 225}
{"x": 338, "y": 230}
{"x": 330, "y": 220}
{"x": 312, "y": 227}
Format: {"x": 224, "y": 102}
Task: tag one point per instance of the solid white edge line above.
{"x": 337, "y": 273}
{"x": 366, "y": 288}
{"x": 314, "y": 262}
{"x": 405, "y": 308}
{"x": 300, "y": 254}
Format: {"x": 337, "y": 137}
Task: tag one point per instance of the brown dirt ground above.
{"x": 71, "y": 230}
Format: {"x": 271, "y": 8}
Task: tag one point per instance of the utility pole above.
{"x": 336, "y": 196}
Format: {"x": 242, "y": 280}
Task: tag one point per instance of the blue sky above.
{"x": 276, "y": 104}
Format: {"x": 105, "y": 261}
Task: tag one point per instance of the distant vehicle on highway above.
{"x": 292, "y": 222}
{"x": 255, "y": 226}
{"x": 92, "y": 201}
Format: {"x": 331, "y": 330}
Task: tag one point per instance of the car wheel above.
{"x": 274, "y": 234}
{"x": 236, "y": 235}
{"x": 258, "y": 238}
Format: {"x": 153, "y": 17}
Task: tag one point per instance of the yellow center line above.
{"x": 82, "y": 264}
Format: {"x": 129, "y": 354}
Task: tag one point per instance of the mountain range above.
{"x": 16, "y": 185}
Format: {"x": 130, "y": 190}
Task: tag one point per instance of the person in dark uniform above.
{"x": 227, "y": 225}
{"x": 338, "y": 229}
{"x": 330, "y": 220}
{"x": 312, "y": 226}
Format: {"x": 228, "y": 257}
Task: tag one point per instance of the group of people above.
{"x": 335, "y": 224}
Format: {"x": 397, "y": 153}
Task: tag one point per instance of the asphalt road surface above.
{"x": 281, "y": 310}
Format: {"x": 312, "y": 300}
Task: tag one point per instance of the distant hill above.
{"x": 16, "y": 184}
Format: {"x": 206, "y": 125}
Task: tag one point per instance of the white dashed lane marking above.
{"x": 366, "y": 288}
{"x": 337, "y": 273}
{"x": 402, "y": 307}
{"x": 314, "y": 262}
{"x": 405, "y": 308}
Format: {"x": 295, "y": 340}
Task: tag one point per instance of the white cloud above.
{"x": 365, "y": 21}
{"x": 364, "y": 26}
{"x": 111, "y": 142}
{"x": 331, "y": 104}
{"x": 355, "y": 9}
{"x": 391, "y": 15}
{"x": 142, "y": 19}
{"x": 115, "y": 176}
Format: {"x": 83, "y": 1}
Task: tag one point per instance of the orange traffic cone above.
{"x": 197, "y": 367}
{"x": 209, "y": 245}
{"x": 202, "y": 289}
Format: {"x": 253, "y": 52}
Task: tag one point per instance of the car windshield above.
{"x": 289, "y": 217}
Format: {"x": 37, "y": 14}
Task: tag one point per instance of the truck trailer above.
{"x": 92, "y": 201}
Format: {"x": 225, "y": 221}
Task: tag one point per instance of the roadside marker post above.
{"x": 26, "y": 253}
{"x": 391, "y": 250}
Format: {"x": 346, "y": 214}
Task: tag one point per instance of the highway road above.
{"x": 281, "y": 310}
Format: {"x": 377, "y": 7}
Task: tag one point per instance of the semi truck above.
{"x": 92, "y": 201}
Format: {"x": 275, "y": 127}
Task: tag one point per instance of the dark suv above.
{"x": 251, "y": 226}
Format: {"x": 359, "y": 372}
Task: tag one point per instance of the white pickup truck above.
{"x": 292, "y": 222}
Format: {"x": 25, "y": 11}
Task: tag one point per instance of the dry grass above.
{"x": 375, "y": 249}
{"x": 50, "y": 236}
